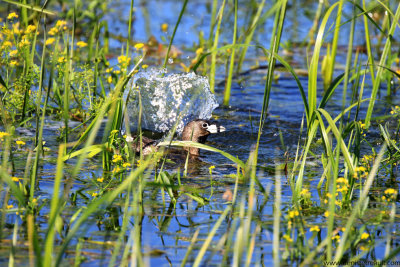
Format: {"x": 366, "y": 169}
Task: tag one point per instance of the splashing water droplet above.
{"x": 174, "y": 98}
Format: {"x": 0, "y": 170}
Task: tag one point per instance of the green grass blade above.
{"x": 205, "y": 147}
{"x": 215, "y": 45}
{"x": 174, "y": 32}
{"x": 379, "y": 72}
{"x": 313, "y": 69}
{"x": 210, "y": 236}
{"x": 227, "y": 92}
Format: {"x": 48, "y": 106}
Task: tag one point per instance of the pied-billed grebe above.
{"x": 196, "y": 131}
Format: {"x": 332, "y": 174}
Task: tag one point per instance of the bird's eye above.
{"x": 205, "y": 125}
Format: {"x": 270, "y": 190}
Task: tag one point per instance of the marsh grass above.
{"x": 30, "y": 93}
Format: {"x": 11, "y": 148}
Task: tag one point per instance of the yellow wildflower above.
{"x": 144, "y": 66}
{"x": 15, "y": 179}
{"x": 116, "y": 72}
{"x": 293, "y": 213}
{"x": 364, "y": 236}
{"x": 50, "y": 41}
{"x": 94, "y": 194}
{"x": 13, "y": 53}
{"x": 53, "y": 31}
{"x": 20, "y": 143}
{"x": 117, "y": 158}
{"x": 13, "y": 63}
{"x": 24, "y": 42}
{"x": 62, "y": 60}
{"x": 326, "y": 214}
{"x": 336, "y": 237}
{"x": 108, "y": 70}
{"x": 390, "y": 191}
{"x": 12, "y": 15}
{"x": 100, "y": 180}
{"x": 61, "y": 24}
{"x": 360, "y": 169}
{"x": 138, "y": 163}
{"x": 116, "y": 170}
{"x": 199, "y": 51}
{"x": 15, "y": 28}
{"x": 124, "y": 60}
{"x": 81, "y": 44}
{"x": 7, "y": 44}
{"x": 109, "y": 79}
{"x": 211, "y": 168}
{"x": 164, "y": 27}
{"x": 3, "y": 134}
{"x": 287, "y": 238}
{"x": 30, "y": 29}
{"x": 126, "y": 164}
{"x": 139, "y": 46}
{"x": 9, "y": 206}
{"x": 315, "y": 229}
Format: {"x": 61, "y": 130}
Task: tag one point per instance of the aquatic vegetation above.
{"x": 276, "y": 189}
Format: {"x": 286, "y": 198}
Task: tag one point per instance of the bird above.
{"x": 196, "y": 131}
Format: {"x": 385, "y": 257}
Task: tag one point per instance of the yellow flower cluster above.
{"x": 6, "y": 44}
{"x": 30, "y": 29}
{"x": 124, "y": 61}
{"x": 305, "y": 193}
{"x": 126, "y": 165}
{"x": 24, "y": 42}
{"x": 13, "y": 53}
{"x": 390, "y": 195}
{"x": 60, "y": 26}
{"x": 360, "y": 172}
{"x": 3, "y": 134}
{"x": 315, "y": 229}
{"x": 116, "y": 170}
{"x": 20, "y": 143}
{"x": 100, "y": 180}
{"x": 395, "y": 110}
{"x": 293, "y": 213}
{"x": 363, "y": 126}
{"x": 15, "y": 179}
{"x": 364, "y": 236}
{"x": 81, "y": 44}
{"x": 50, "y": 41}
{"x": 61, "y": 60}
{"x": 12, "y": 15}
{"x": 117, "y": 158}
{"x": 342, "y": 185}
{"x": 139, "y": 46}
{"x": 287, "y": 238}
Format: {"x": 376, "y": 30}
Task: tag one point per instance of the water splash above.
{"x": 174, "y": 98}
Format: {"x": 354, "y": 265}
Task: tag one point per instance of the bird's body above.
{"x": 196, "y": 131}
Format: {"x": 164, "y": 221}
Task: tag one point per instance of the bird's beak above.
{"x": 213, "y": 128}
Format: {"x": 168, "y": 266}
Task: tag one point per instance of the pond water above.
{"x": 165, "y": 230}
